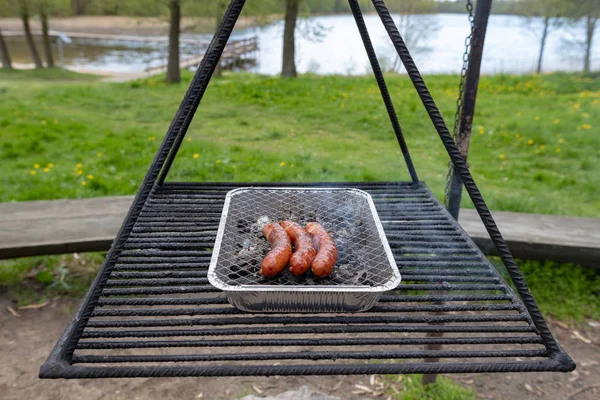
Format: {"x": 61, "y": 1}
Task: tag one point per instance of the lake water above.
{"x": 510, "y": 47}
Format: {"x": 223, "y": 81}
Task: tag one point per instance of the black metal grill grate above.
{"x": 157, "y": 315}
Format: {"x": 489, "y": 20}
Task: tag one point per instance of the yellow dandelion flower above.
{"x": 36, "y": 166}
{"x": 481, "y": 130}
{"x": 281, "y": 164}
{"x": 517, "y": 135}
{"x": 542, "y": 147}
{"x": 576, "y": 106}
{"x": 219, "y": 161}
{"x": 342, "y": 105}
{"x": 587, "y": 126}
{"x": 537, "y": 151}
{"x": 530, "y": 141}
{"x": 50, "y": 165}
{"x": 557, "y": 150}
{"x": 556, "y": 121}
{"x": 196, "y": 155}
{"x": 502, "y": 156}
{"x": 99, "y": 154}
{"x": 519, "y": 114}
{"x": 43, "y": 122}
{"x": 561, "y": 140}
{"x": 585, "y": 115}
{"x": 151, "y": 138}
{"x": 83, "y": 183}
{"x": 79, "y": 165}
{"x": 90, "y": 176}
{"x": 189, "y": 139}
{"x": 537, "y": 117}
{"x": 291, "y": 165}
{"x": 55, "y": 122}
{"x": 33, "y": 172}
{"x": 46, "y": 169}
{"x": 80, "y": 172}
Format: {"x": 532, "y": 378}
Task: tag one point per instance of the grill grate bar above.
{"x": 297, "y": 330}
{"x": 313, "y": 355}
{"x": 165, "y": 301}
{"x": 140, "y": 312}
{"x": 260, "y": 320}
{"x": 316, "y": 342}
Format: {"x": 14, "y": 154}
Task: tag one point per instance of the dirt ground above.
{"x": 27, "y": 340}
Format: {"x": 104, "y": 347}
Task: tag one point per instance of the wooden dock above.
{"x": 236, "y": 53}
{"x": 66, "y": 226}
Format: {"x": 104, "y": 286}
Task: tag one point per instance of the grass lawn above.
{"x": 534, "y": 149}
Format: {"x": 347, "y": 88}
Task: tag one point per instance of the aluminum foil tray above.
{"x": 365, "y": 268}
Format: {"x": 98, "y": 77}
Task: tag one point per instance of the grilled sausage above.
{"x": 305, "y": 251}
{"x": 281, "y": 250}
{"x": 327, "y": 253}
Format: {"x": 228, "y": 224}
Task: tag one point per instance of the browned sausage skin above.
{"x": 305, "y": 251}
{"x": 281, "y": 250}
{"x": 327, "y": 253}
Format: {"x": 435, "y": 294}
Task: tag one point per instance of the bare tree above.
{"x": 288, "y": 68}
{"x": 79, "y": 7}
{"x": 586, "y": 13}
{"x": 173, "y": 73}
{"x": 45, "y": 36}
{"x": 416, "y": 27}
{"x": 551, "y": 12}
{"x": 4, "y": 55}
{"x": 24, "y": 14}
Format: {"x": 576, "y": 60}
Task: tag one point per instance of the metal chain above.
{"x": 459, "y": 100}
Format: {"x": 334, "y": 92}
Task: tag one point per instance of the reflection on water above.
{"x": 509, "y": 48}
{"x": 105, "y": 55}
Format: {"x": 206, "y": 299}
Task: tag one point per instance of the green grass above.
{"x": 320, "y": 128}
{"x": 566, "y": 292}
{"x": 34, "y": 279}
{"x": 411, "y": 388}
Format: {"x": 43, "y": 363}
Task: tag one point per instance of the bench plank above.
{"x": 65, "y": 226}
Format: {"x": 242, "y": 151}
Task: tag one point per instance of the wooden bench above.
{"x": 65, "y": 226}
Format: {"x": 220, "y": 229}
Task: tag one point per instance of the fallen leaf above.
{"x": 364, "y": 388}
{"x": 200, "y": 395}
{"x": 529, "y": 388}
{"x": 578, "y": 335}
{"x": 35, "y": 306}
{"x": 338, "y": 385}
{"x": 468, "y": 382}
{"x": 594, "y": 324}
{"x": 257, "y": 389}
{"x": 561, "y": 324}
{"x": 585, "y": 364}
{"x": 372, "y": 380}
{"x": 13, "y": 312}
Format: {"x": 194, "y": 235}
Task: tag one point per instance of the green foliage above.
{"x": 443, "y": 389}
{"x": 564, "y": 291}
{"x": 34, "y": 279}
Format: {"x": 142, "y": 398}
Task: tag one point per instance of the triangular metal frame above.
{"x": 168, "y": 150}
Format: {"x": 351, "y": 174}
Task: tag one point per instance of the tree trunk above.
{"x": 173, "y": 74}
{"x": 4, "y": 56}
{"x": 543, "y": 44}
{"x": 591, "y": 26}
{"x": 46, "y": 38}
{"x": 78, "y": 7}
{"x": 288, "y": 69}
{"x": 24, "y": 11}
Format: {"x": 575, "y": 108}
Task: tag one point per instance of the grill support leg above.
{"x": 482, "y": 15}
